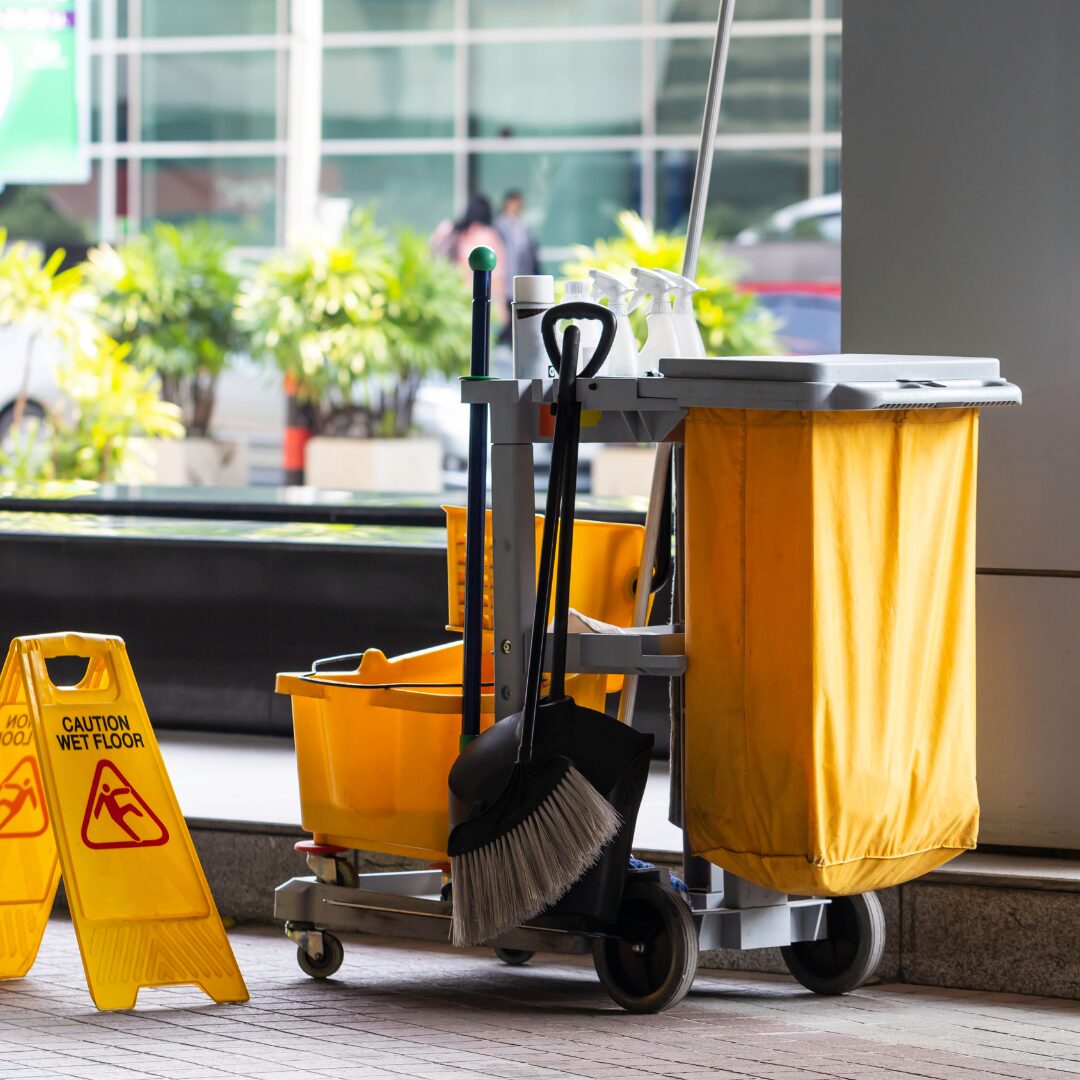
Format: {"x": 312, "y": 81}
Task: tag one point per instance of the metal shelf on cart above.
{"x": 649, "y": 408}
{"x": 641, "y": 650}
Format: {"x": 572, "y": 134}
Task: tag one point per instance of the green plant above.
{"x": 43, "y": 299}
{"x": 105, "y": 403}
{"x": 732, "y": 323}
{"x": 355, "y": 326}
{"x": 170, "y": 294}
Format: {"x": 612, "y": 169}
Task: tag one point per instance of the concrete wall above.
{"x": 961, "y": 181}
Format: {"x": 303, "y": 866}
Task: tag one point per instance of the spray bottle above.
{"x": 623, "y": 358}
{"x": 578, "y": 291}
{"x": 662, "y": 339}
{"x": 686, "y": 327}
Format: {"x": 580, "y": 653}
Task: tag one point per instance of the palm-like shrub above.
{"x": 356, "y": 325}
{"x": 171, "y": 296}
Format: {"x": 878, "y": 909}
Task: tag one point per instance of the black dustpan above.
{"x": 491, "y": 793}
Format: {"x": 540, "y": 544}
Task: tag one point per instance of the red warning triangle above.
{"x": 117, "y": 816}
{"x": 22, "y": 802}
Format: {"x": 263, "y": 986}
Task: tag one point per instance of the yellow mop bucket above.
{"x": 830, "y": 730}
{"x": 374, "y": 746}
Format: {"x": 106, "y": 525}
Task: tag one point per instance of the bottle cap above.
{"x": 534, "y": 289}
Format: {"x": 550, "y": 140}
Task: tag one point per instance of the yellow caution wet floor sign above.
{"x": 85, "y": 793}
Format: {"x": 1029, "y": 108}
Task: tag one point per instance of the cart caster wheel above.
{"x": 849, "y": 953}
{"x": 515, "y": 957}
{"x": 345, "y": 873}
{"x": 651, "y": 964}
{"x": 326, "y": 963}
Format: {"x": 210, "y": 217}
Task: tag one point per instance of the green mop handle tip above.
{"x": 482, "y": 258}
{"x": 464, "y": 741}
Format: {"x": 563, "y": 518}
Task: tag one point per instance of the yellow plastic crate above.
{"x": 605, "y": 565}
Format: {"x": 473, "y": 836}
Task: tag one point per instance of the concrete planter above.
{"x": 194, "y": 461}
{"x": 404, "y": 465}
{"x": 622, "y": 470}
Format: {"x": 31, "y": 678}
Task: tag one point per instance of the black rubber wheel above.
{"x": 850, "y": 951}
{"x": 650, "y": 962}
{"x": 326, "y": 963}
{"x": 515, "y": 957}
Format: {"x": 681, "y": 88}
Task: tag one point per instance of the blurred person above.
{"x": 455, "y": 239}
{"x": 520, "y": 247}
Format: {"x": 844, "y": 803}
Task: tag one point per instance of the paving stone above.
{"x": 424, "y": 1011}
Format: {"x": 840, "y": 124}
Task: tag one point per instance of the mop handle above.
{"x": 482, "y": 262}
{"x": 695, "y": 223}
{"x": 703, "y": 169}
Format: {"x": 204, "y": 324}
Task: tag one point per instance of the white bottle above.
{"x": 578, "y": 292}
{"x": 686, "y": 327}
{"x": 622, "y": 360}
{"x": 533, "y": 295}
{"x": 662, "y": 339}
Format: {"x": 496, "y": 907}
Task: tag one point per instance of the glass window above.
{"x": 707, "y": 10}
{"x": 96, "y": 17}
{"x": 766, "y": 87}
{"x": 556, "y": 88}
{"x": 388, "y": 92}
{"x": 832, "y": 82}
{"x": 484, "y": 13}
{"x": 745, "y": 187}
{"x": 832, "y": 171}
{"x": 96, "y": 63}
{"x": 238, "y": 193}
{"x": 833, "y": 9}
{"x": 193, "y": 18}
{"x": 407, "y": 189}
{"x": 354, "y": 15}
{"x": 208, "y": 96}
{"x": 55, "y": 215}
{"x": 570, "y": 197}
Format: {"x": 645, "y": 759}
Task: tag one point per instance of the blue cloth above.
{"x": 640, "y": 864}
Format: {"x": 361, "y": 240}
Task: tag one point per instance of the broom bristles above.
{"x": 522, "y": 873}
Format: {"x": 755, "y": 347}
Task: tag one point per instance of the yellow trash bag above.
{"x": 830, "y": 691}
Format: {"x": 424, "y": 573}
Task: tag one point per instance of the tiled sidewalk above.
{"x": 430, "y": 1012}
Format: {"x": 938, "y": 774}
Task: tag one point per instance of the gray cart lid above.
{"x": 848, "y": 381}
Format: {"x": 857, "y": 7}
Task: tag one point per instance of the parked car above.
{"x": 808, "y": 314}
{"x": 812, "y": 219}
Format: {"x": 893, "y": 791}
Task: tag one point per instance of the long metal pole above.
{"x": 694, "y": 225}
{"x": 703, "y": 170}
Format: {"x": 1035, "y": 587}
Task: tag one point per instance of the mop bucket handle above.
{"x": 579, "y": 309}
{"x": 405, "y": 696}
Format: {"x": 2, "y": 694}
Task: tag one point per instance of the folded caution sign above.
{"x": 139, "y": 901}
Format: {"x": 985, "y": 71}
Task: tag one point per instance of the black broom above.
{"x": 527, "y": 823}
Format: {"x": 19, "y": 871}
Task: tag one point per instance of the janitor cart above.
{"x": 647, "y": 958}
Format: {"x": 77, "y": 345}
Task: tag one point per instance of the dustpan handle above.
{"x": 535, "y": 671}
{"x": 567, "y": 402}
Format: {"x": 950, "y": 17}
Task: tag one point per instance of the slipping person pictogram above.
{"x": 117, "y": 816}
{"x": 109, "y": 799}
{"x": 22, "y": 803}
